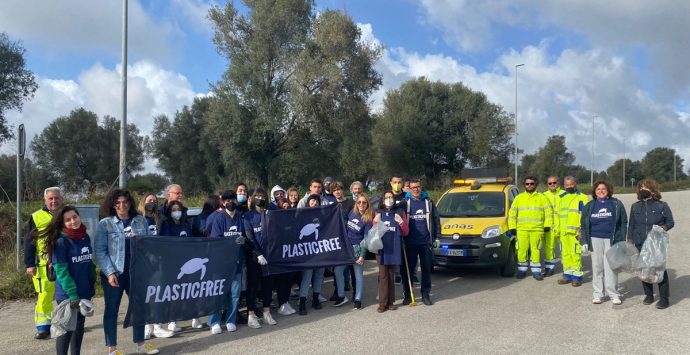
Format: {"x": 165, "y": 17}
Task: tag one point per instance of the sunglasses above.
{"x": 529, "y": 184}
{"x": 362, "y": 202}
{"x": 552, "y": 183}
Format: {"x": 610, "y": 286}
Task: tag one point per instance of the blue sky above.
{"x": 623, "y": 61}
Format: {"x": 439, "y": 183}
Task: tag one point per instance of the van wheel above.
{"x": 508, "y": 268}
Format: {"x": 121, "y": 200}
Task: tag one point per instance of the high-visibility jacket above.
{"x": 33, "y": 255}
{"x": 530, "y": 212}
{"x": 553, "y": 199}
{"x": 570, "y": 208}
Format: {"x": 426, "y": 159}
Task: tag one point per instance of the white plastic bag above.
{"x": 373, "y": 239}
{"x": 621, "y": 256}
{"x": 651, "y": 264}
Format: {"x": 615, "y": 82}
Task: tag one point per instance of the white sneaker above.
{"x": 322, "y": 299}
{"x": 148, "y": 330}
{"x": 231, "y": 327}
{"x": 289, "y": 306}
{"x": 147, "y": 348}
{"x": 253, "y": 322}
{"x": 617, "y": 301}
{"x": 115, "y": 352}
{"x": 196, "y": 324}
{"x": 268, "y": 318}
{"x": 596, "y": 300}
{"x": 215, "y": 329}
{"x": 284, "y": 310}
{"x": 159, "y": 332}
{"x": 172, "y": 326}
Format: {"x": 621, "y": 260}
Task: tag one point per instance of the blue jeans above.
{"x": 112, "y": 297}
{"x": 307, "y": 279}
{"x": 339, "y": 272}
{"x": 233, "y": 299}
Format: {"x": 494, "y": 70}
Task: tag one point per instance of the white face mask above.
{"x": 176, "y": 215}
{"x": 389, "y": 202}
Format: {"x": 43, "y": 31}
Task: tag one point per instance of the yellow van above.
{"x": 474, "y": 225}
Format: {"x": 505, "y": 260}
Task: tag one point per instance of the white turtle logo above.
{"x": 232, "y": 229}
{"x": 419, "y": 211}
{"x": 84, "y": 250}
{"x": 309, "y": 229}
{"x": 603, "y": 210}
{"x": 355, "y": 221}
{"x": 193, "y": 266}
{"x": 183, "y": 234}
{"x": 128, "y": 232}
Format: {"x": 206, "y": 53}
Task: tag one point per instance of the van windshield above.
{"x": 472, "y": 204}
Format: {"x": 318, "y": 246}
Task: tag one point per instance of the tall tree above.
{"x": 17, "y": 84}
{"x": 295, "y": 91}
{"x": 183, "y": 152}
{"x": 552, "y": 159}
{"x": 632, "y": 171}
{"x": 658, "y": 164}
{"x": 75, "y": 149}
{"x": 436, "y": 129}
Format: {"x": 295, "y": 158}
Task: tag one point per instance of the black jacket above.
{"x": 645, "y": 214}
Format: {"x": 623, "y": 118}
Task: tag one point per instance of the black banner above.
{"x": 179, "y": 278}
{"x": 303, "y": 238}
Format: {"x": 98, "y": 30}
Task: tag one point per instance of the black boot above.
{"x": 315, "y": 303}
{"x": 663, "y": 303}
{"x": 426, "y": 299}
{"x": 302, "y": 306}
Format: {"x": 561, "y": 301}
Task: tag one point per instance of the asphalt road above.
{"x": 476, "y": 311}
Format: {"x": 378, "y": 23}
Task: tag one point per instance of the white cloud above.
{"x": 151, "y": 91}
{"x": 558, "y": 94}
{"x": 88, "y": 26}
{"x": 195, "y": 13}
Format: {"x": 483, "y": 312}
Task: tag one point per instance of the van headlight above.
{"x": 491, "y": 232}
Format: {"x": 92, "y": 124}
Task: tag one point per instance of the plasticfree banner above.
{"x": 179, "y": 278}
{"x": 304, "y": 238}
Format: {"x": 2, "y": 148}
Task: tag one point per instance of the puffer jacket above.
{"x": 645, "y": 214}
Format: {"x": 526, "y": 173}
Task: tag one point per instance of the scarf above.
{"x": 76, "y": 234}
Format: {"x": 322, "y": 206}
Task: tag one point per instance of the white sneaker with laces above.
{"x": 283, "y": 310}
{"x": 147, "y": 348}
{"x": 617, "y": 301}
{"x": 289, "y": 306}
{"x": 160, "y": 332}
{"x": 196, "y": 324}
{"x": 172, "y": 326}
{"x": 231, "y": 327}
{"x": 215, "y": 329}
{"x": 148, "y": 330}
{"x": 322, "y": 299}
{"x": 268, "y": 319}
{"x": 253, "y": 322}
{"x": 596, "y": 300}
{"x": 115, "y": 352}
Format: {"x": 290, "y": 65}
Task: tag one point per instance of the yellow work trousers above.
{"x": 570, "y": 253}
{"x": 529, "y": 241}
{"x": 549, "y": 241}
{"x": 44, "y": 305}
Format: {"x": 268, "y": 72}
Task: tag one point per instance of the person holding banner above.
{"x": 390, "y": 257}
{"x": 359, "y": 220}
{"x": 313, "y": 200}
{"x": 228, "y": 224}
{"x": 253, "y": 222}
{"x": 114, "y": 235}
{"x": 175, "y": 223}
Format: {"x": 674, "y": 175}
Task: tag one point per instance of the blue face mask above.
{"x": 241, "y": 198}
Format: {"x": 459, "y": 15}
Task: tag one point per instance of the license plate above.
{"x": 455, "y": 252}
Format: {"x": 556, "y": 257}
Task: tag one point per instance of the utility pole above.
{"x": 591, "y": 171}
{"x": 516, "y": 121}
{"x": 623, "y": 162}
{"x": 123, "y": 121}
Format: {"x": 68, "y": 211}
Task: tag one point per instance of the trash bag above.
{"x": 651, "y": 263}
{"x": 621, "y": 256}
{"x": 373, "y": 239}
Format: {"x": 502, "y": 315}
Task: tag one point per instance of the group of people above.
{"x": 58, "y": 240}
{"x": 538, "y": 219}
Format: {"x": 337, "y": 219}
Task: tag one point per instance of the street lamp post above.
{"x": 123, "y": 121}
{"x": 591, "y": 166}
{"x": 516, "y": 121}
{"x": 624, "y": 162}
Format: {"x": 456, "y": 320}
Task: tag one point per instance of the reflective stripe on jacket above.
{"x": 530, "y": 212}
{"x": 570, "y": 208}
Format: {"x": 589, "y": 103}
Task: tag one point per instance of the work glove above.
{"x": 585, "y": 249}
{"x": 398, "y": 218}
{"x": 547, "y": 229}
{"x": 74, "y": 303}
{"x": 513, "y": 232}
{"x": 261, "y": 260}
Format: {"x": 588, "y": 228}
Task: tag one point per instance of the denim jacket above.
{"x": 109, "y": 243}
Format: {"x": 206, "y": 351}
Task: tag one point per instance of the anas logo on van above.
{"x": 458, "y": 226}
